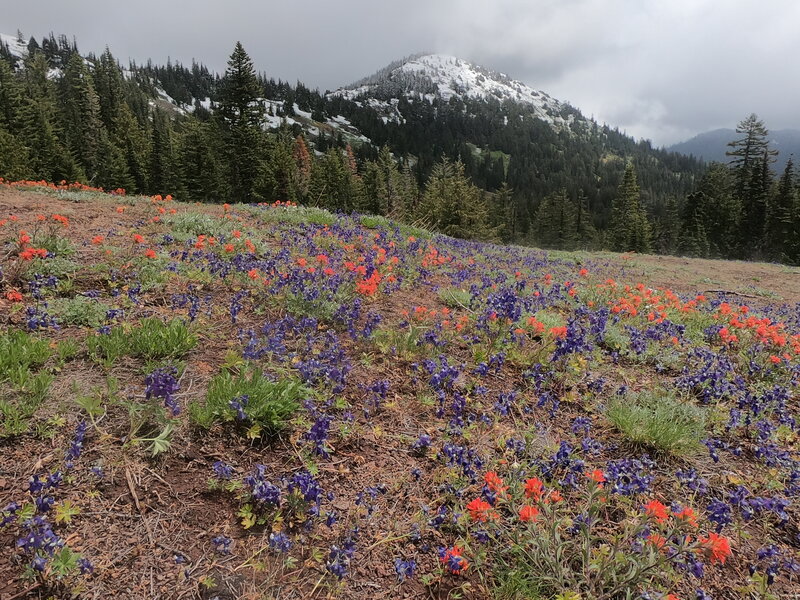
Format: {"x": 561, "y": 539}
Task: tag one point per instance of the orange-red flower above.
{"x": 657, "y": 510}
{"x": 454, "y": 561}
{"x": 717, "y": 547}
{"x": 534, "y": 488}
{"x": 30, "y": 253}
{"x": 14, "y": 296}
{"x": 97, "y": 240}
{"x": 528, "y": 513}
{"x": 480, "y": 510}
{"x": 494, "y": 482}
{"x": 597, "y": 475}
{"x": 150, "y": 253}
{"x": 687, "y": 514}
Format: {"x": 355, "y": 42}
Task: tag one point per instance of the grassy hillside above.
{"x": 270, "y": 401}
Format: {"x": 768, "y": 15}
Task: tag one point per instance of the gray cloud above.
{"x": 660, "y": 70}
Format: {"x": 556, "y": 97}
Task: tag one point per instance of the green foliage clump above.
{"x": 657, "y": 420}
{"x": 107, "y": 348}
{"x": 80, "y": 311}
{"x": 55, "y": 244}
{"x": 566, "y": 551}
{"x": 24, "y": 385}
{"x": 58, "y": 266}
{"x": 266, "y": 403}
{"x": 153, "y": 339}
{"x": 196, "y": 223}
{"x": 453, "y": 297}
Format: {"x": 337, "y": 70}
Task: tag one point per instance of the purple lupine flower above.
{"x": 404, "y": 568}
{"x": 85, "y": 566}
{"x": 261, "y": 489}
{"x": 222, "y": 544}
{"x": 222, "y": 470}
{"x": 280, "y": 542}
{"x": 163, "y": 383}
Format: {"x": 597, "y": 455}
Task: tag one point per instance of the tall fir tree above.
{"x": 710, "y": 219}
{"x": 84, "y": 131}
{"x": 241, "y": 113}
{"x": 40, "y": 126}
{"x": 630, "y": 229}
{"x": 454, "y": 206}
{"x": 555, "y": 223}
{"x": 199, "y": 168}
{"x": 782, "y": 238}
{"x": 164, "y": 178}
{"x": 750, "y": 157}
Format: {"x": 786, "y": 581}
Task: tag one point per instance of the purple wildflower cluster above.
{"x": 163, "y": 383}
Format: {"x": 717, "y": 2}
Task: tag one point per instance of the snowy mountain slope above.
{"x": 17, "y": 48}
{"x": 437, "y": 75}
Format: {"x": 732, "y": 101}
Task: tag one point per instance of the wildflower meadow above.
{"x": 276, "y": 401}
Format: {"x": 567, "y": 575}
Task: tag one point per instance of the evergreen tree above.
{"x": 40, "y": 130}
{"x": 278, "y": 177}
{"x": 584, "y": 228}
{"x": 14, "y": 158}
{"x": 241, "y": 114}
{"x": 502, "y": 215}
{"x": 85, "y": 134}
{"x": 668, "y": 229}
{"x": 693, "y": 239}
{"x": 332, "y": 185}
{"x": 782, "y": 237}
{"x": 383, "y": 186}
{"x": 199, "y": 168}
{"x": 749, "y": 164}
{"x": 164, "y": 178}
{"x": 555, "y": 223}
{"x": 302, "y": 172}
{"x": 131, "y": 140}
{"x": 711, "y": 215}
{"x": 630, "y": 230}
{"x": 452, "y": 205}
{"x": 11, "y": 99}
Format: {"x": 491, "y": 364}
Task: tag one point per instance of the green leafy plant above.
{"x": 106, "y": 349}
{"x": 657, "y": 420}
{"x": 455, "y": 297}
{"x": 594, "y": 545}
{"x": 153, "y": 339}
{"x": 24, "y": 384}
{"x": 80, "y": 311}
{"x": 265, "y": 404}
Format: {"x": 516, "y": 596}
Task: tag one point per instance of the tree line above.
{"x": 448, "y": 166}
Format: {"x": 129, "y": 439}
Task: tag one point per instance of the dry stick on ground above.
{"x": 25, "y": 592}
{"x": 728, "y": 292}
{"x": 131, "y": 487}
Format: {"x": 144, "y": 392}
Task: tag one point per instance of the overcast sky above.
{"x": 659, "y": 69}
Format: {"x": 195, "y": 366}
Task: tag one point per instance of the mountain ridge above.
{"x": 711, "y": 146}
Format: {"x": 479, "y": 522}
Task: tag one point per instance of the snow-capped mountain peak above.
{"x": 438, "y": 75}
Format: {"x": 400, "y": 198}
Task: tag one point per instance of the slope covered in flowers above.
{"x": 273, "y": 401}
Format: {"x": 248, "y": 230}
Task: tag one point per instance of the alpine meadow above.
{"x": 433, "y": 334}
